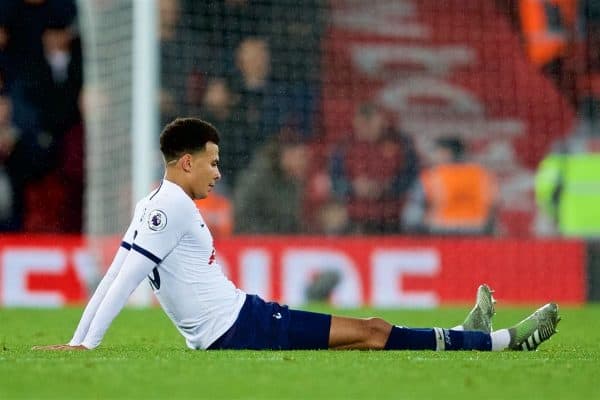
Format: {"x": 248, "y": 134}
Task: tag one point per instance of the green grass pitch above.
{"x": 143, "y": 357}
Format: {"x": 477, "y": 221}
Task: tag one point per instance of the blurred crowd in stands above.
{"x": 252, "y": 68}
{"x": 41, "y": 130}
{"x": 562, "y": 38}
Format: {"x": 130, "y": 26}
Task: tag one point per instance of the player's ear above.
{"x": 186, "y": 162}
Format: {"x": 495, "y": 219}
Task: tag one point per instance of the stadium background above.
{"x": 308, "y": 210}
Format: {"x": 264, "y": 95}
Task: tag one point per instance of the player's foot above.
{"x": 480, "y": 317}
{"x": 535, "y": 329}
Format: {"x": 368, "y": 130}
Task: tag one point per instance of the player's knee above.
{"x": 378, "y": 331}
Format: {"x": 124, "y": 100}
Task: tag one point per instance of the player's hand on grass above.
{"x": 62, "y": 347}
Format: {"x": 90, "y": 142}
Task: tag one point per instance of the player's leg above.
{"x": 375, "y": 333}
{"x": 262, "y": 325}
{"x": 358, "y": 333}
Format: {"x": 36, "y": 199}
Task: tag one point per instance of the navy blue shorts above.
{"x": 270, "y": 326}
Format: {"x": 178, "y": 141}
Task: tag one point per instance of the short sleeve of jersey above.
{"x": 160, "y": 227}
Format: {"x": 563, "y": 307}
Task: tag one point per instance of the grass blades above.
{"x": 143, "y": 357}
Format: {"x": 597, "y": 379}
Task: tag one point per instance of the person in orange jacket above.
{"x": 217, "y": 211}
{"x": 453, "y": 196}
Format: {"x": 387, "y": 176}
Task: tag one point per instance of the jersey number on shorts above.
{"x": 154, "y": 279}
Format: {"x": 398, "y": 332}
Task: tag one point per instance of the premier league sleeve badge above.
{"x": 157, "y": 220}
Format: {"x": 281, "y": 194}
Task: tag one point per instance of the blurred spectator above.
{"x": 42, "y": 66}
{"x": 269, "y": 196}
{"x": 18, "y": 160}
{"x": 217, "y": 212}
{"x": 292, "y": 28}
{"x": 294, "y": 32}
{"x": 39, "y": 55}
{"x": 567, "y": 183}
{"x": 225, "y": 23}
{"x": 453, "y": 196}
{"x": 255, "y": 107}
{"x": 54, "y": 202}
{"x": 262, "y": 58}
{"x": 36, "y": 52}
{"x": 181, "y": 68}
{"x": 218, "y": 107}
{"x": 547, "y": 29}
{"x": 370, "y": 173}
{"x": 252, "y": 82}
{"x": 218, "y": 102}
{"x": 62, "y": 77}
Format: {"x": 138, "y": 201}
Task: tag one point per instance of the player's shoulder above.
{"x": 167, "y": 206}
{"x": 170, "y": 197}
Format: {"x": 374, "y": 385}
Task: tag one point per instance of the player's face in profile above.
{"x": 205, "y": 171}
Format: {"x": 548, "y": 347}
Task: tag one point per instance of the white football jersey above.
{"x": 170, "y": 244}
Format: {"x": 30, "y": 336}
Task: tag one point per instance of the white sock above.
{"x": 500, "y": 339}
{"x": 458, "y": 328}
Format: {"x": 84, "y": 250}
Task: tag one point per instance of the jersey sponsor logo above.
{"x": 157, "y": 220}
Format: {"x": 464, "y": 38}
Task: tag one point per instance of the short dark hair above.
{"x": 186, "y": 135}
